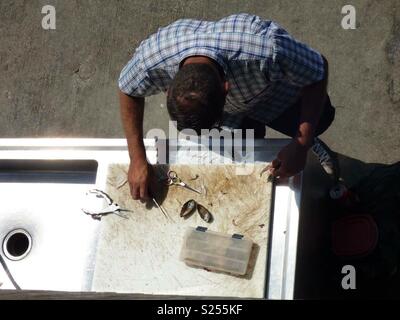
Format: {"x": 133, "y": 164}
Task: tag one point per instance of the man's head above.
{"x": 196, "y": 96}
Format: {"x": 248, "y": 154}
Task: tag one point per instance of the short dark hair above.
{"x": 196, "y": 98}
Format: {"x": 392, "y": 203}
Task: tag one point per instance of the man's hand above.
{"x": 290, "y": 160}
{"x": 139, "y": 178}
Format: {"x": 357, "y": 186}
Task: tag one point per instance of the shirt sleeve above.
{"x": 134, "y": 79}
{"x": 294, "y": 61}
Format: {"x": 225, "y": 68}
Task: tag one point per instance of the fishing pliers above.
{"x": 112, "y": 207}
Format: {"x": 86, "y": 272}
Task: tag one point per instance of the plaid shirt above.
{"x": 264, "y": 65}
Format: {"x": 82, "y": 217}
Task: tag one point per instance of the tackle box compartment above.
{"x": 216, "y": 251}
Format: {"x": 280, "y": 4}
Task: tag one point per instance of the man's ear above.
{"x": 226, "y": 87}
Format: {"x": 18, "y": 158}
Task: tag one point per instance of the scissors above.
{"x": 112, "y": 207}
{"x": 173, "y": 179}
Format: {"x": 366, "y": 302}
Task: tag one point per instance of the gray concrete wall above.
{"x": 62, "y": 83}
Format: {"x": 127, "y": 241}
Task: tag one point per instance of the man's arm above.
{"x": 132, "y": 120}
{"x": 292, "y": 158}
{"x": 312, "y": 103}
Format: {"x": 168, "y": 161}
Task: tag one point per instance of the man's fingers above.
{"x": 134, "y": 192}
{"x": 280, "y": 173}
{"x": 276, "y": 163}
{"x": 276, "y": 172}
{"x": 144, "y": 194}
{"x": 139, "y": 192}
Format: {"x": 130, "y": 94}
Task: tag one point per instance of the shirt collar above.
{"x": 201, "y": 51}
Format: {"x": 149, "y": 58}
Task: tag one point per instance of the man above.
{"x": 238, "y": 72}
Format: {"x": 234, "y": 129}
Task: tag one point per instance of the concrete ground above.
{"x": 63, "y": 83}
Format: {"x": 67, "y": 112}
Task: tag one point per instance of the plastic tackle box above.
{"x": 216, "y": 251}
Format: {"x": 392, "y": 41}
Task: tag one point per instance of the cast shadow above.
{"x": 158, "y": 187}
{"x": 318, "y": 270}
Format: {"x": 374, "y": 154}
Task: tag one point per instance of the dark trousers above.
{"x": 288, "y": 122}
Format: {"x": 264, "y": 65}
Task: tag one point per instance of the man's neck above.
{"x": 204, "y": 60}
{"x": 198, "y": 59}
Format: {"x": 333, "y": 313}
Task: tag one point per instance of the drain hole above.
{"x": 17, "y": 244}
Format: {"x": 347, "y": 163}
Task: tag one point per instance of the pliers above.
{"x": 112, "y": 207}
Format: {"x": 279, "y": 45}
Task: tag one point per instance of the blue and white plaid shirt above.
{"x": 264, "y": 65}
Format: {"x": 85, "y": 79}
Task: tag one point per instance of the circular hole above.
{"x": 17, "y": 244}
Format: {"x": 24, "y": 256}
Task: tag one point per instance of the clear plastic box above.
{"x": 216, "y": 251}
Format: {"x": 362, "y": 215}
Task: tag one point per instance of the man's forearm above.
{"x": 312, "y": 104}
{"x": 132, "y": 121}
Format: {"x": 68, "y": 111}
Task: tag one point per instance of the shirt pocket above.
{"x": 248, "y": 82}
{"x": 258, "y": 97}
